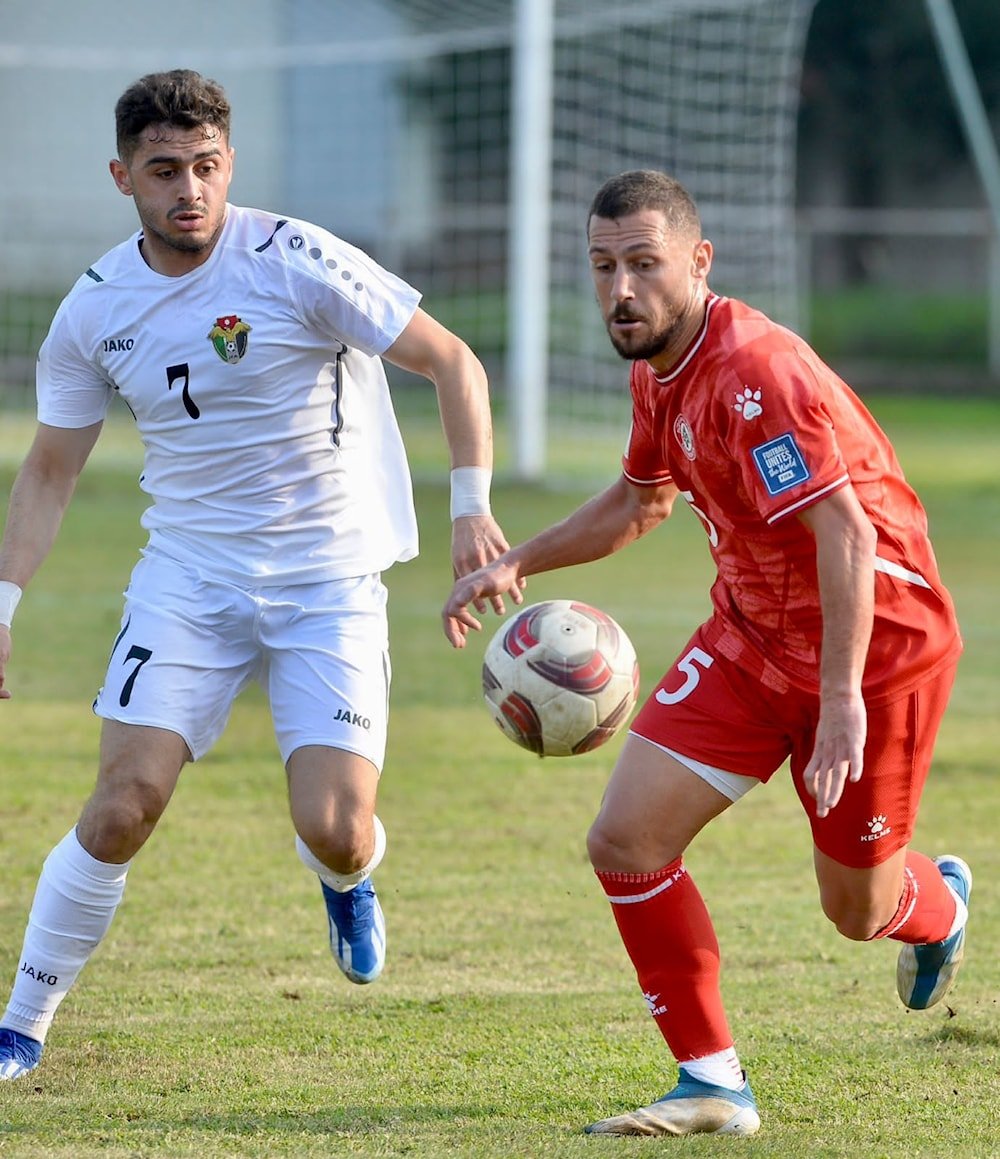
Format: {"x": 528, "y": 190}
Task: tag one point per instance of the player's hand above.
{"x": 838, "y": 752}
{"x": 4, "y": 657}
{"x": 488, "y": 583}
{"x": 476, "y": 540}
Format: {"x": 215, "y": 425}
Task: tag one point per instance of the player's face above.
{"x": 650, "y": 285}
{"x": 179, "y": 179}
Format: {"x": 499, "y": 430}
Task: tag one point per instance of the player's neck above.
{"x": 684, "y": 332}
{"x": 171, "y": 262}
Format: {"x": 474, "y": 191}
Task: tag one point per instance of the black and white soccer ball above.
{"x": 560, "y": 678}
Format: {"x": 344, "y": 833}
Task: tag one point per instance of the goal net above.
{"x": 706, "y": 90}
{"x": 390, "y": 122}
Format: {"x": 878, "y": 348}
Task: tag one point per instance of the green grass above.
{"x": 212, "y": 1021}
{"x": 903, "y": 327}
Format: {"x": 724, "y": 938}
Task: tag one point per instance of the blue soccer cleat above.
{"x": 691, "y": 1108}
{"x": 924, "y": 974}
{"x": 357, "y": 931}
{"x": 19, "y": 1054}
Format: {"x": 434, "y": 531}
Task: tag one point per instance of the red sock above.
{"x": 926, "y": 907}
{"x": 668, "y": 934}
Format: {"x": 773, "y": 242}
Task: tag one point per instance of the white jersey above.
{"x": 272, "y": 452}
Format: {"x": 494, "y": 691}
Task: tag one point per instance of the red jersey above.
{"x": 752, "y": 427}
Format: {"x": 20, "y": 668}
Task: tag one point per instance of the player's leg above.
{"x": 327, "y": 678}
{"x": 872, "y": 884}
{"x": 910, "y": 899}
{"x": 652, "y": 809}
{"x": 181, "y": 657}
{"x": 905, "y": 894}
{"x": 659, "y": 797}
{"x": 339, "y": 837}
{"x": 82, "y": 882}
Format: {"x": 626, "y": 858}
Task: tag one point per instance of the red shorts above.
{"x": 717, "y": 713}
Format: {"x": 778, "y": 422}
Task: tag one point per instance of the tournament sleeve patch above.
{"x": 780, "y": 464}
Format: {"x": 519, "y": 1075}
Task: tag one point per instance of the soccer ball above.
{"x": 560, "y": 678}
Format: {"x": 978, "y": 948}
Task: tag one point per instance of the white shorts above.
{"x": 189, "y": 644}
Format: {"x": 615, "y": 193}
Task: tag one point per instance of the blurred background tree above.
{"x": 879, "y": 132}
{"x": 877, "y": 123}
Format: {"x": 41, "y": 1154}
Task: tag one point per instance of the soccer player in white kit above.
{"x": 249, "y": 349}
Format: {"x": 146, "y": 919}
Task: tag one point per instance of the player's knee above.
{"x": 857, "y": 923}
{"x": 857, "y": 929}
{"x": 603, "y": 847}
{"x": 345, "y": 846}
{"x": 621, "y": 842}
{"x": 114, "y": 825}
{"x": 616, "y": 848}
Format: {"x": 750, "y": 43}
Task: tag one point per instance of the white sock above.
{"x": 721, "y": 1069}
{"x": 75, "y": 900}
{"x": 342, "y": 882}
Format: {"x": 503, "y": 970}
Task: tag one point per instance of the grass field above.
{"x": 212, "y": 1021}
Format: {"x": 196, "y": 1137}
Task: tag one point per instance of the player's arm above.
{"x": 845, "y": 562}
{"x": 427, "y": 348}
{"x": 604, "y": 524}
{"x": 38, "y": 501}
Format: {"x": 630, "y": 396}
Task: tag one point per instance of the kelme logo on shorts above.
{"x": 877, "y": 828}
{"x": 229, "y": 337}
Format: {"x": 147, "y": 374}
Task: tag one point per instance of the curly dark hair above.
{"x": 639, "y": 189}
{"x": 179, "y": 97}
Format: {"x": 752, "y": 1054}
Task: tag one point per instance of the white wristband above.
{"x": 10, "y": 597}
{"x": 470, "y": 491}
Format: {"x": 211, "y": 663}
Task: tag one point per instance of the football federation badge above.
{"x": 682, "y": 431}
{"x": 229, "y": 337}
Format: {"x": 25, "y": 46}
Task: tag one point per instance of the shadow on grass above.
{"x": 356, "y": 1122}
{"x": 963, "y": 1033}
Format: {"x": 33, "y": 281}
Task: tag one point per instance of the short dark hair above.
{"x": 639, "y": 189}
{"x": 179, "y": 97}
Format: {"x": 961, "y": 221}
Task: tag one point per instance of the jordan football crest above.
{"x": 229, "y": 337}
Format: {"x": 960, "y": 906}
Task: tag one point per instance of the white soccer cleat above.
{"x": 691, "y": 1108}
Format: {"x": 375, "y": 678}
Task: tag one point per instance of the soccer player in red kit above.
{"x": 832, "y": 642}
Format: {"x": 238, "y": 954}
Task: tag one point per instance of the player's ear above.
{"x": 119, "y": 174}
{"x": 701, "y": 259}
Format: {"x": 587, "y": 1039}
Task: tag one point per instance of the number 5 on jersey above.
{"x": 688, "y": 664}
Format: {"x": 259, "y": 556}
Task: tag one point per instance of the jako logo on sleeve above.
{"x": 780, "y": 464}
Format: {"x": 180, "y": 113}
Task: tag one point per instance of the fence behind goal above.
{"x": 426, "y": 131}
